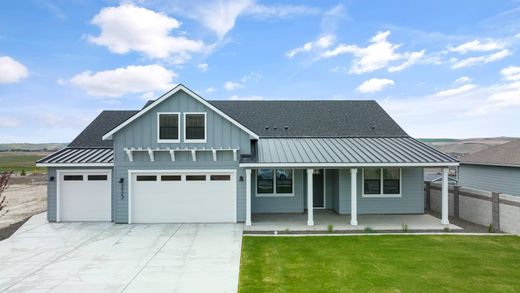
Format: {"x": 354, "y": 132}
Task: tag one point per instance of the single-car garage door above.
{"x": 84, "y": 195}
{"x": 176, "y": 197}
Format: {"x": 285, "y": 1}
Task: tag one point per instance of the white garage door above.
{"x": 84, "y": 196}
{"x": 169, "y": 197}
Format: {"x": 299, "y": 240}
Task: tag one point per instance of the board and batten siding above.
{"x": 279, "y": 204}
{"x": 490, "y": 178}
{"x": 52, "y": 189}
{"x": 142, "y": 133}
{"x": 410, "y": 202}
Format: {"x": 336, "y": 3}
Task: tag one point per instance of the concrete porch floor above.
{"x": 295, "y": 222}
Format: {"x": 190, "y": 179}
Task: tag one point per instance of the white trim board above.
{"x": 166, "y": 140}
{"x": 345, "y": 165}
{"x": 108, "y": 136}
{"x": 186, "y": 140}
{"x": 381, "y": 186}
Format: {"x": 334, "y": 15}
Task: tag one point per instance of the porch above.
{"x": 296, "y": 222}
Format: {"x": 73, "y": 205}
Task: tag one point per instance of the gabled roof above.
{"x": 179, "y": 87}
{"x": 91, "y": 137}
{"x": 344, "y": 152}
{"x": 303, "y": 118}
{"x": 507, "y": 154}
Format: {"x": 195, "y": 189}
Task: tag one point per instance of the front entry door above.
{"x": 317, "y": 189}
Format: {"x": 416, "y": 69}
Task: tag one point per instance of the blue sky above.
{"x": 440, "y": 68}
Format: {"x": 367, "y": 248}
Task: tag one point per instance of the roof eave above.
{"x": 491, "y": 164}
{"x": 347, "y": 165}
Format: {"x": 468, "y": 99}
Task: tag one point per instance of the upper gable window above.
{"x": 168, "y": 127}
{"x": 195, "y": 127}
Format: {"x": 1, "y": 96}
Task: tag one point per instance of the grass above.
{"x": 443, "y": 263}
{"x": 18, "y": 161}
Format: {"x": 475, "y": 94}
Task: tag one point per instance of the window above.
{"x": 195, "y": 177}
{"x": 383, "y": 182}
{"x": 147, "y": 178}
{"x": 73, "y": 178}
{"x": 171, "y": 178}
{"x": 283, "y": 181}
{"x": 274, "y": 182}
{"x": 168, "y": 127}
{"x": 220, "y": 177}
{"x": 195, "y": 127}
{"x": 97, "y": 177}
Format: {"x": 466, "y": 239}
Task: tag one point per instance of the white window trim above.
{"x": 274, "y": 194}
{"x": 159, "y": 140}
{"x": 382, "y": 195}
{"x": 205, "y": 128}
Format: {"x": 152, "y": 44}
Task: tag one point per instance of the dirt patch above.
{"x": 6, "y": 232}
{"x": 23, "y": 201}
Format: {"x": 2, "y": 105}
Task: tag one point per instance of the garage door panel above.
{"x": 179, "y": 201}
{"x": 85, "y": 196}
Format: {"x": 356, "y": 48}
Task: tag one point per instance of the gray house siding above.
{"x": 332, "y": 189}
{"x": 490, "y": 178}
{"x": 52, "y": 189}
{"x": 286, "y": 204}
{"x": 410, "y": 202}
{"x": 142, "y": 133}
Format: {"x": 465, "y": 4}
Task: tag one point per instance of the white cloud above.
{"x": 456, "y": 91}
{"x": 6, "y": 122}
{"x": 511, "y": 73}
{"x": 246, "y": 98}
{"x": 231, "y": 85}
{"x": 377, "y": 55}
{"x": 203, "y": 67}
{"x": 11, "y": 70}
{"x": 463, "y": 80}
{"x": 479, "y": 60}
{"x": 210, "y": 89}
{"x": 321, "y": 43}
{"x": 279, "y": 11}
{"x": 220, "y": 16}
{"x": 477, "y": 46}
{"x": 252, "y": 76}
{"x": 411, "y": 59}
{"x": 130, "y": 28}
{"x": 374, "y": 85}
{"x": 127, "y": 80}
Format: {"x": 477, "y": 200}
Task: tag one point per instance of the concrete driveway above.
{"x": 86, "y": 257}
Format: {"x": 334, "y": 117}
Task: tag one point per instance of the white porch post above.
{"x": 310, "y": 211}
{"x": 353, "y": 197}
{"x": 445, "y": 211}
{"x": 248, "y": 197}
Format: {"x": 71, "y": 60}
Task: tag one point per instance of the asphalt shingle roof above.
{"x": 92, "y": 136}
{"x": 507, "y": 154}
{"x": 327, "y": 118}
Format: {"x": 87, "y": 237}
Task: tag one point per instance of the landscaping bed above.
{"x": 388, "y": 263}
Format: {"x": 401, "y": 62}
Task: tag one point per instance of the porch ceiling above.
{"x": 351, "y": 151}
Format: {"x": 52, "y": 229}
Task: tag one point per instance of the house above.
{"x": 182, "y": 158}
{"x": 494, "y": 169}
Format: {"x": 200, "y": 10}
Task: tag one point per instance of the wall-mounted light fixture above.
{"x": 241, "y": 178}
{"x": 51, "y": 178}
{"x": 121, "y": 180}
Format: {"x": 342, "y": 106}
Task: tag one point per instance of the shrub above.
{"x": 368, "y": 230}
{"x": 330, "y": 228}
{"x": 491, "y": 229}
{"x": 446, "y": 229}
{"x": 23, "y": 173}
{"x": 4, "y": 184}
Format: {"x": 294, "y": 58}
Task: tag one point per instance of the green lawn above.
{"x": 18, "y": 161}
{"x": 380, "y": 264}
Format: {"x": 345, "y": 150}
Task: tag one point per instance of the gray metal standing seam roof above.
{"x": 80, "y": 156}
{"x": 348, "y": 150}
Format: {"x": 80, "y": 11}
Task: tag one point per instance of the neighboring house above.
{"x": 185, "y": 159}
{"x": 437, "y": 177}
{"x": 494, "y": 169}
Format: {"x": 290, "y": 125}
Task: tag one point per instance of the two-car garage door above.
{"x": 182, "y": 197}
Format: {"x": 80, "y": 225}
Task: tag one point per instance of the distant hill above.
{"x": 31, "y": 147}
{"x": 460, "y": 147}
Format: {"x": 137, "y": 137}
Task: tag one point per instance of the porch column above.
{"x": 353, "y": 197}
{"x": 445, "y": 211}
{"x": 248, "y": 197}
{"x": 310, "y": 211}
